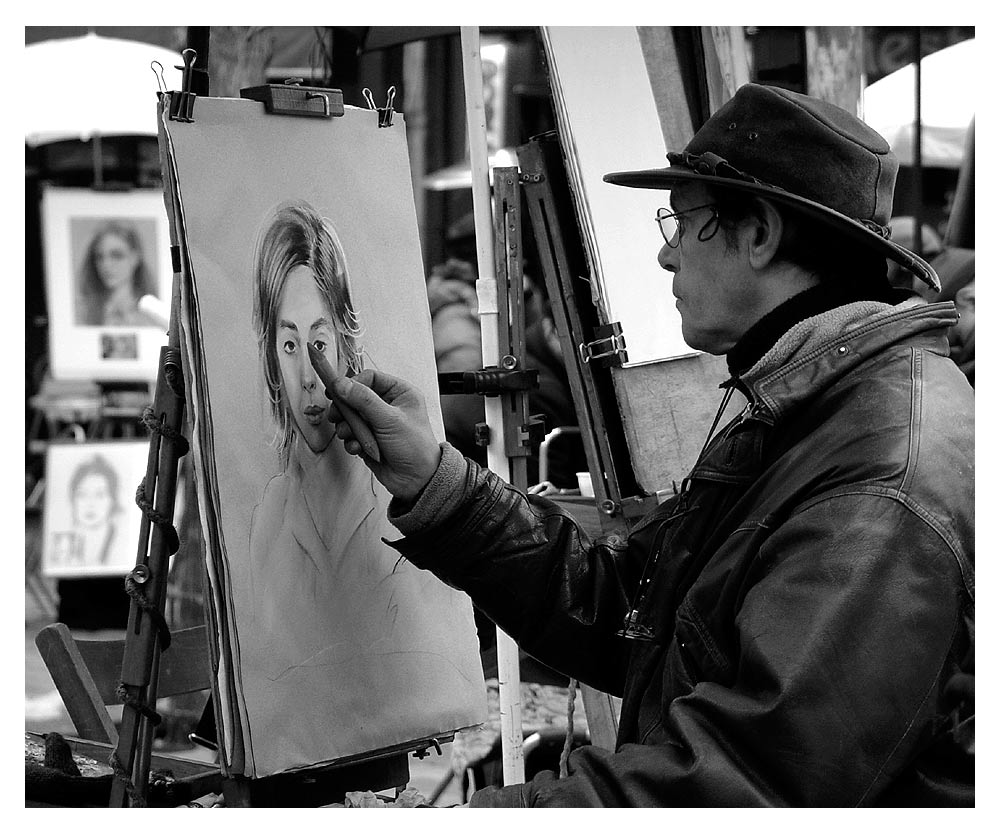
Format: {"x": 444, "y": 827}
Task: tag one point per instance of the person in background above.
{"x": 455, "y": 328}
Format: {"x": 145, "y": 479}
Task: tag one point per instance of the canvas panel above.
{"x": 91, "y": 523}
{"x": 337, "y": 648}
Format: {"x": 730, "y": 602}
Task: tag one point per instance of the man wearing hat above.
{"x": 783, "y": 631}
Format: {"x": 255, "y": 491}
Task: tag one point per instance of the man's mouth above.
{"x": 314, "y": 414}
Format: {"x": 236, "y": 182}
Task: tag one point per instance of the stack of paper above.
{"x": 296, "y": 231}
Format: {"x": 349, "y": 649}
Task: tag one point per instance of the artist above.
{"x": 784, "y": 631}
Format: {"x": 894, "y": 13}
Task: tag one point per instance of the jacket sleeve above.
{"x": 525, "y": 563}
{"x": 844, "y": 637}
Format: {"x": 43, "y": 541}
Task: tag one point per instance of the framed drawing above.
{"x": 103, "y": 253}
{"x": 331, "y": 647}
{"x": 90, "y": 520}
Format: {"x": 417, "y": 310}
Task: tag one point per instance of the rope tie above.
{"x": 175, "y": 379}
{"x": 169, "y": 433}
{"x": 570, "y": 731}
{"x": 121, "y": 774}
{"x": 134, "y": 591}
{"x": 132, "y": 702}
{"x": 157, "y": 517}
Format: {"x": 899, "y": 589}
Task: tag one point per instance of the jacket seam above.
{"x": 916, "y": 407}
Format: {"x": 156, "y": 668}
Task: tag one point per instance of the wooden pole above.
{"x": 508, "y": 669}
{"x": 918, "y": 161}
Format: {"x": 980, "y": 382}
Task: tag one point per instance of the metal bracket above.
{"x": 608, "y": 350}
{"x": 629, "y": 507}
{"x": 490, "y": 381}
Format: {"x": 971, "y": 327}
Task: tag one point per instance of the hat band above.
{"x": 711, "y": 164}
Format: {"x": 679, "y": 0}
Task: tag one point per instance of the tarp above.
{"x": 93, "y": 85}
{"x": 947, "y": 105}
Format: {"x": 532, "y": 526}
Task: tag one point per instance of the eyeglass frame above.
{"x": 679, "y": 227}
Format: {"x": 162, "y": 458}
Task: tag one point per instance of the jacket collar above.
{"x": 817, "y": 351}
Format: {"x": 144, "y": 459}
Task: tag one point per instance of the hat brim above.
{"x": 664, "y": 178}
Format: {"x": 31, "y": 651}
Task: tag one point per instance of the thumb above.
{"x": 364, "y": 400}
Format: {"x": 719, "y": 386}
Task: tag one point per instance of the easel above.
{"x": 147, "y": 634}
{"x": 500, "y": 297}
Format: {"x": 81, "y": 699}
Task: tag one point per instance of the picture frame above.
{"x": 103, "y": 252}
{"x": 90, "y": 523}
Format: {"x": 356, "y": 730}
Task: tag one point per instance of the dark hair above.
{"x": 296, "y": 235}
{"x": 101, "y": 467}
{"x": 809, "y": 244}
{"x": 93, "y": 293}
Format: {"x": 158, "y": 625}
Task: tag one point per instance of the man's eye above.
{"x": 289, "y": 347}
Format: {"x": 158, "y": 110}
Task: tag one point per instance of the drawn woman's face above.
{"x": 303, "y": 318}
{"x": 115, "y": 261}
{"x": 93, "y": 501}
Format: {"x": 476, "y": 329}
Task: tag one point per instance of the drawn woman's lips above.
{"x": 314, "y": 414}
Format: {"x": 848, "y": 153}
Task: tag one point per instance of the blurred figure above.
{"x": 454, "y": 307}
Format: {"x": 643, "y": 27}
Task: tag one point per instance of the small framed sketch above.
{"x": 90, "y": 519}
{"x": 103, "y": 253}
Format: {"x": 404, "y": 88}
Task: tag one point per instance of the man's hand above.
{"x": 397, "y": 415}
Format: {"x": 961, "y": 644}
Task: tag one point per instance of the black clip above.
{"x": 533, "y": 432}
{"x": 422, "y": 752}
{"x": 292, "y": 99}
{"x": 182, "y": 103}
{"x": 384, "y": 113}
{"x": 491, "y": 381}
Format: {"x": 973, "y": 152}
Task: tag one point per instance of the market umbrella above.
{"x": 947, "y": 105}
{"x": 93, "y": 86}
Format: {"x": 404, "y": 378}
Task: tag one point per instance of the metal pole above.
{"x": 508, "y": 669}
{"x": 918, "y": 168}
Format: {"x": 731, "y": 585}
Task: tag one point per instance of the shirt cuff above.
{"x": 440, "y": 497}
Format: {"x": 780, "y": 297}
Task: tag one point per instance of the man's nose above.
{"x": 668, "y": 259}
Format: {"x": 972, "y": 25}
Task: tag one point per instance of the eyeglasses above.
{"x": 672, "y": 235}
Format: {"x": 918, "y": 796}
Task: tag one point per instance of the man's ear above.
{"x": 767, "y": 228}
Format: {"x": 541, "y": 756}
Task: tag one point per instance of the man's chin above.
{"x": 704, "y": 343}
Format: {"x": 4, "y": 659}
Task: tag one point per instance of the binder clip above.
{"x": 384, "y": 113}
{"x": 182, "y": 103}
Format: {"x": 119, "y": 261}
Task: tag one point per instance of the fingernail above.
{"x": 342, "y": 386}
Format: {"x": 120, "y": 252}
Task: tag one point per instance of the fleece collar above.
{"x": 819, "y": 350}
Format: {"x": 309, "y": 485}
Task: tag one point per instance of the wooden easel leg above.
{"x": 236, "y": 792}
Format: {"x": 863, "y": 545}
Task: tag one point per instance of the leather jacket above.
{"x": 804, "y": 600}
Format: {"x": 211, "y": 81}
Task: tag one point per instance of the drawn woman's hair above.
{"x": 93, "y": 293}
{"x": 95, "y": 466}
{"x": 296, "y": 235}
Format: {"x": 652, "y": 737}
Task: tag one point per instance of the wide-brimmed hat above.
{"x": 804, "y": 153}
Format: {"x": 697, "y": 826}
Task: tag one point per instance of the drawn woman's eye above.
{"x": 320, "y": 345}
{"x": 289, "y": 347}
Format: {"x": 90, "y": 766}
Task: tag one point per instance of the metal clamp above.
{"x": 608, "y": 350}
{"x": 182, "y": 103}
